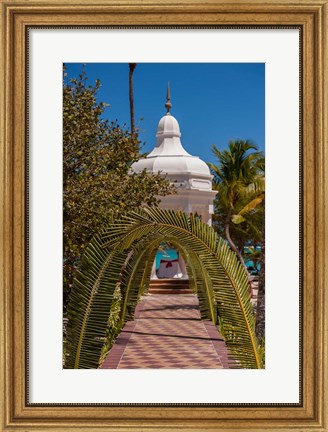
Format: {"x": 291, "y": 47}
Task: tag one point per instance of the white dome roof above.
{"x": 192, "y": 165}
{"x": 169, "y": 156}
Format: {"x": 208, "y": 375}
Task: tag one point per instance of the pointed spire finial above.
{"x": 168, "y": 104}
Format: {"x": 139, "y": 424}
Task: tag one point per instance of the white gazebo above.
{"x": 189, "y": 173}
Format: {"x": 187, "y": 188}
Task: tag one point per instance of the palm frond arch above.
{"x": 122, "y": 255}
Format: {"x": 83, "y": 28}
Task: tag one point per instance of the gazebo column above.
{"x": 183, "y": 268}
{"x": 153, "y": 274}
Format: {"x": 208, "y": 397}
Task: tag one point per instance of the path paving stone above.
{"x": 167, "y": 332}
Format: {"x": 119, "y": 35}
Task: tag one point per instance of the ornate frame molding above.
{"x": 17, "y": 17}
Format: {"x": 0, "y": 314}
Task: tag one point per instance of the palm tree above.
{"x": 239, "y": 180}
{"x": 132, "y": 67}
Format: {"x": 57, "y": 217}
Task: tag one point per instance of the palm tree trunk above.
{"x": 230, "y": 241}
{"x": 132, "y": 67}
{"x": 260, "y": 312}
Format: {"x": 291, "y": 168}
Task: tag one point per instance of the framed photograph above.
{"x": 227, "y": 64}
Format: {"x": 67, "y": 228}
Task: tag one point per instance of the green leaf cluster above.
{"x": 98, "y": 185}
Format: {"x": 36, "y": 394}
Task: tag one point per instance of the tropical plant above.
{"x": 97, "y": 179}
{"x": 260, "y": 308}
{"x": 239, "y": 179}
{"x": 123, "y": 254}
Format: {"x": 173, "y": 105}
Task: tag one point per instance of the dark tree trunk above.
{"x": 260, "y": 312}
{"x": 132, "y": 67}
{"x": 231, "y": 243}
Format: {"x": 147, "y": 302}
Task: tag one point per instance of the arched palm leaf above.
{"x": 120, "y": 253}
{"x": 135, "y": 275}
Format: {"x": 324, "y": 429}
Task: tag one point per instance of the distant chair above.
{"x": 169, "y": 269}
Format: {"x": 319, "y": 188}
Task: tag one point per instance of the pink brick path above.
{"x": 167, "y": 332}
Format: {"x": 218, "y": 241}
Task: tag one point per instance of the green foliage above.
{"x": 239, "y": 180}
{"x": 113, "y": 321}
{"x": 123, "y": 253}
{"x": 98, "y": 185}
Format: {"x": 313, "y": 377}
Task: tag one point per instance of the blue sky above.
{"x": 213, "y": 102}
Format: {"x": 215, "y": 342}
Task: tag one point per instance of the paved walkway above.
{"x": 167, "y": 332}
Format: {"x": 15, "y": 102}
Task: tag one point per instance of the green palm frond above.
{"x": 93, "y": 290}
{"x": 135, "y": 275}
{"x": 124, "y": 252}
{"x": 200, "y": 283}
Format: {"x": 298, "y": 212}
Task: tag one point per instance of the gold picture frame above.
{"x": 311, "y": 17}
